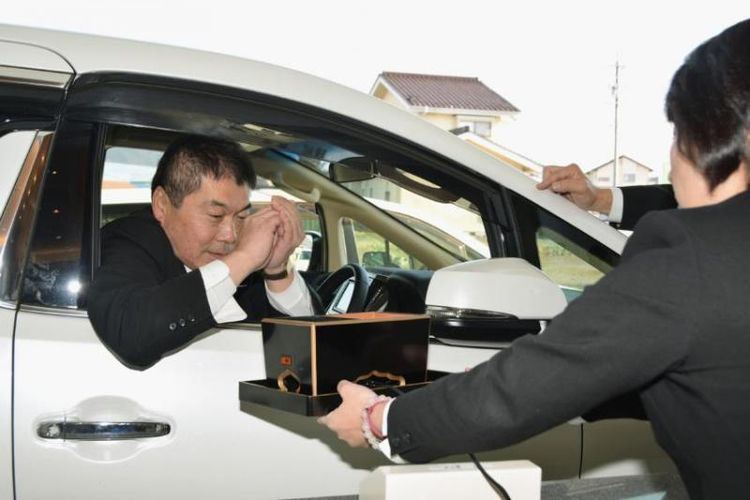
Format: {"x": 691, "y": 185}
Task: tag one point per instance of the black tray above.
{"x": 266, "y": 392}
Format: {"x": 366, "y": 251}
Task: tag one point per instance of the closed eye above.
{"x": 244, "y": 214}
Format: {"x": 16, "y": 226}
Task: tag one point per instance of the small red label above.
{"x": 286, "y": 360}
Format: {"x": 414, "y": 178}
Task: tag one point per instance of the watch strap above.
{"x": 275, "y": 276}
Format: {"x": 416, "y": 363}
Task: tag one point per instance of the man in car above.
{"x": 196, "y": 257}
{"x": 623, "y": 206}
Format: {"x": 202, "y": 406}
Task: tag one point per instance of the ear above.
{"x": 160, "y": 204}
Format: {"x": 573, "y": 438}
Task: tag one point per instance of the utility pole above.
{"x": 616, "y": 94}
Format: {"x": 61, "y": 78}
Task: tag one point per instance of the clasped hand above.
{"x": 269, "y": 236}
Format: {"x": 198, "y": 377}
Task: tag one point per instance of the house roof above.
{"x": 521, "y": 162}
{"x": 622, "y": 157}
{"x": 437, "y": 91}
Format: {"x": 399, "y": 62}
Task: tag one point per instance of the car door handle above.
{"x": 102, "y": 431}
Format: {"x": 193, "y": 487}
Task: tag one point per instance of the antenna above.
{"x": 616, "y": 94}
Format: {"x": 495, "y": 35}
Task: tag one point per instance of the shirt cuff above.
{"x": 615, "y": 213}
{"x": 384, "y": 446}
{"x": 219, "y": 291}
{"x": 295, "y": 300}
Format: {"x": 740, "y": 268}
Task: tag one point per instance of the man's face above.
{"x": 205, "y": 225}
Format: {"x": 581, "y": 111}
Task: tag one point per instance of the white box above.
{"x": 521, "y": 479}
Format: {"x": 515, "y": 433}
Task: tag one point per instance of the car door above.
{"x": 32, "y": 88}
{"x": 179, "y": 429}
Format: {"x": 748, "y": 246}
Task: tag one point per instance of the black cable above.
{"x": 580, "y": 459}
{"x": 497, "y": 487}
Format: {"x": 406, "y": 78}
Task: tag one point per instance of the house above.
{"x": 463, "y": 105}
{"x": 447, "y": 101}
{"x": 629, "y": 173}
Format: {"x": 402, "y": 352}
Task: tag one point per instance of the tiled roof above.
{"x": 437, "y": 91}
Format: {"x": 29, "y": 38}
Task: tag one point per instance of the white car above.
{"x": 77, "y": 423}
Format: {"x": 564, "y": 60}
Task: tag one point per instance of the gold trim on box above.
{"x": 348, "y": 320}
{"x": 377, "y": 373}
{"x": 280, "y": 380}
{"x": 314, "y": 359}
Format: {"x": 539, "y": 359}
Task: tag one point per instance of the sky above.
{"x": 554, "y": 60}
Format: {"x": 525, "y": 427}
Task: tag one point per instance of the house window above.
{"x": 603, "y": 178}
{"x": 482, "y": 128}
{"x": 628, "y": 178}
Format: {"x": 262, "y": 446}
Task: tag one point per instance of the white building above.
{"x": 629, "y": 173}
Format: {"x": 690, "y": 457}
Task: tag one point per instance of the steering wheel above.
{"x": 327, "y": 289}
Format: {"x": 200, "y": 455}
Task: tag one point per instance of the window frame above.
{"x": 529, "y": 217}
{"x": 97, "y": 101}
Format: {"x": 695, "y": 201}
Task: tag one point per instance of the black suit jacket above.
{"x": 143, "y": 303}
{"x": 639, "y": 200}
{"x": 671, "y": 321}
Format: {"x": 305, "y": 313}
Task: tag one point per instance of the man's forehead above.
{"x": 224, "y": 193}
{"x": 224, "y": 185}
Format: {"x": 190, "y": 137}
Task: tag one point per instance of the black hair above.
{"x": 709, "y": 104}
{"x": 190, "y": 158}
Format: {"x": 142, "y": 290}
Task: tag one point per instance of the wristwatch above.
{"x": 276, "y": 276}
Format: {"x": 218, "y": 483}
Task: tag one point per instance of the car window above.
{"x": 573, "y": 271}
{"x": 460, "y": 243}
{"x": 421, "y": 211}
{"x": 447, "y": 220}
{"x": 567, "y": 255}
{"x": 374, "y": 250}
{"x": 126, "y": 181}
{"x": 58, "y": 269}
{"x": 23, "y": 157}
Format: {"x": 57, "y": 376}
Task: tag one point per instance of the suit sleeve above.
{"x": 619, "y": 335}
{"x": 639, "y": 200}
{"x": 137, "y": 309}
{"x": 143, "y": 304}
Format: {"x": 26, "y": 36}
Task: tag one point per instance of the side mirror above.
{"x": 491, "y": 301}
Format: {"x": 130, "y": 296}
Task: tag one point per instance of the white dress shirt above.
{"x": 615, "y": 213}
{"x": 385, "y": 446}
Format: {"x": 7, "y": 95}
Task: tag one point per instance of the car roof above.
{"x": 91, "y": 53}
